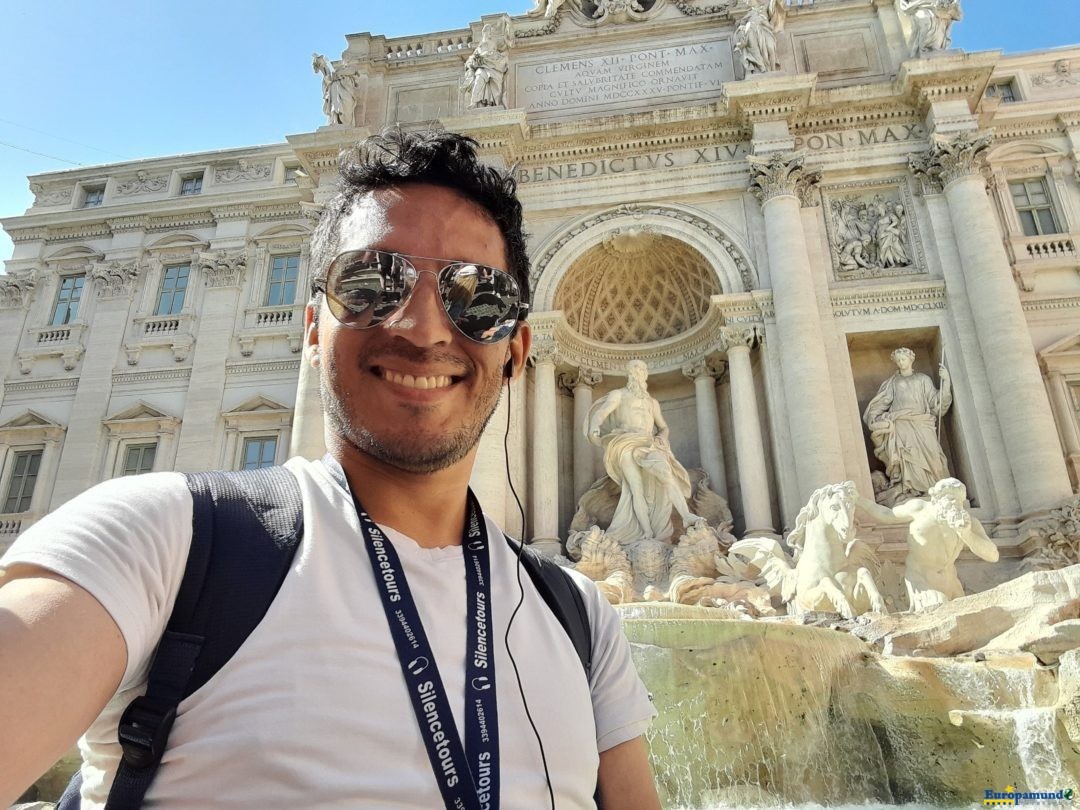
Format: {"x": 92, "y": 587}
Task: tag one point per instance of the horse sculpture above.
{"x": 830, "y": 570}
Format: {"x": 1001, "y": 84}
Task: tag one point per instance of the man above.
{"x": 638, "y": 457}
{"x": 314, "y": 709}
{"x": 938, "y": 530}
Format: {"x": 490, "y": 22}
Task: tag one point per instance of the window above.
{"x": 24, "y": 473}
{"x": 93, "y": 197}
{"x": 67, "y": 299}
{"x": 290, "y": 175}
{"x": 1003, "y": 90}
{"x": 259, "y": 452}
{"x": 139, "y": 458}
{"x": 173, "y": 286}
{"x": 281, "y": 291}
{"x": 191, "y": 185}
{"x": 1034, "y": 206}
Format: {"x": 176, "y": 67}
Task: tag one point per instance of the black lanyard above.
{"x": 468, "y": 778}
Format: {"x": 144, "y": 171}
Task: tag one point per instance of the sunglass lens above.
{"x": 482, "y": 302}
{"x": 364, "y": 288}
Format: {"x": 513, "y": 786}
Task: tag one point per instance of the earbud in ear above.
{"x": 508, "y": 369}
{"x": 315, "y": 357}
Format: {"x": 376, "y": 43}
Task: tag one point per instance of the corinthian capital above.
{"x": 731, "y": 337}
{"x": 705, "y": 367}
{"x": 963, "y": 155}
{"x": 782, "y": 173}
{"x": 544, "y": 349}
{"x": 114, "y": 279}
{"x": 223, "y": 268}
{"x": 16, "y": 290}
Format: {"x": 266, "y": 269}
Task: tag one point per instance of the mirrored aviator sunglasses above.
{"x": 365, "y": 287}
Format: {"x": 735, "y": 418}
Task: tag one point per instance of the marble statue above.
{"x": 548, "y": 8}
{"x": 931, "y": 22}
{"x": 903, "y": 418}
{"x": 938, "y": 530}
{"x": 830, "y": 569}
{"x": 870, "y": 235}
{"x": 755, "y": 36}
{"x": 629, "y": 426}
{"x": 338, "y": 88}
{"x": 485, "y": 71}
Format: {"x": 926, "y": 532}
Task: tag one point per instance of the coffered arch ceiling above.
{"x": 636, "y": 287}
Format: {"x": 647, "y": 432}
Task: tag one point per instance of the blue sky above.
{"x": 99, "y": 82}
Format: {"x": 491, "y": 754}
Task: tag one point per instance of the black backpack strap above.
{"x": 562, "y": 597}
{"x": 246, "y": 527}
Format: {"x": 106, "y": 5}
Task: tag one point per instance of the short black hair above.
{"x": 396, "y": 157}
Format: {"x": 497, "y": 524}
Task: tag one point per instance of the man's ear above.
{"x": 311, "y": 334}
{"x": 519, "y": 347}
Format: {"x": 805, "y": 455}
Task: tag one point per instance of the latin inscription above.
{"x": 633, "y": 76}
{"x": 724, "y": 153}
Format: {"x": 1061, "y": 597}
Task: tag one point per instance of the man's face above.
{"x": 413, "y": 392}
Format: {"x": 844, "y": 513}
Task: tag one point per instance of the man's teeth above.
{"x": 409, "y": 381}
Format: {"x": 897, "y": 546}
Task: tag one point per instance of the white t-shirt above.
{"x": 312, "y": 711}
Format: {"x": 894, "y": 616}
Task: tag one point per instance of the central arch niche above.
{"x": 636, "y": 287}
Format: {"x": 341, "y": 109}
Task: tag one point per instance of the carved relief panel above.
{"x": 871, "y": 230}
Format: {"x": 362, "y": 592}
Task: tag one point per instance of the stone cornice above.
{"x": 946, "y": 76}
{"x": 227, "y": 212}
{"x": 27, "y": 234}
{"x": 768, "y": 97}
{"x": 267, "y": 367}
{"x": 123, "y": 224}
{"x": 1050, "y": 303}
{"x": 290, "y": 210}
{"x": 68, "y": 384}
{"x": 89, "y": 230}
{"x": 887, "y": 299}
{"x": 555, "y": 341}
{"x": 136, "y": 377}
{"x": 169, "y": 222}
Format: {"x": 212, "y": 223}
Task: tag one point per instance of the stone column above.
{"x": 545, "y": 444}
{"x": 113, "y": 284}
{"x": 705, "y": 372}
{"x": 782, "y": 184}
{"x": 199, "y": 444}
{"x": 1027, "y": 423}
{"x": 581, "y": 386}
{"x": 749, "y": 445}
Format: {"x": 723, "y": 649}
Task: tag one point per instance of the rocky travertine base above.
{"x": 769, "y": 712}
{"x": 1038, "y": 613}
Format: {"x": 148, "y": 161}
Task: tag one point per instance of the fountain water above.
{"x": 769, "y": 713}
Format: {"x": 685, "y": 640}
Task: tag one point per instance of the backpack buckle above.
{"x": 144, "y": 730}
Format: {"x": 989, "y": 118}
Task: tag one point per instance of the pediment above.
{"x": 1023, "y": 150}
{"x": 1067, "y": 346}
{"x": 29, "y": 419}
{"x": 284, "y": 231}
{"x": 259, "y": 404}
{"x": 74, "y": 252}
{"x": 138, "y": 412}
{"x": 177, "y": 240}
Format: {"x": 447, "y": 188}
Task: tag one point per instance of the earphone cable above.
{"x": 521, "y": 598}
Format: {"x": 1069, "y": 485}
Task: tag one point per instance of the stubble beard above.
{"x": 407, "y": 451}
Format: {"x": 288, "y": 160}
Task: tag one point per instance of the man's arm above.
{"x": 62, "y": 660}
{"x": 601, "y": 411}
{"x": 625, "y": 778}
{"x": 880, "y": 513}
{"x": 979, "y": 542}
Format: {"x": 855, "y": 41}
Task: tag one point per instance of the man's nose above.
{"x": 423, "y": 320}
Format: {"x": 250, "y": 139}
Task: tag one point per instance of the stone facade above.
{"x": 762, "y": 242}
